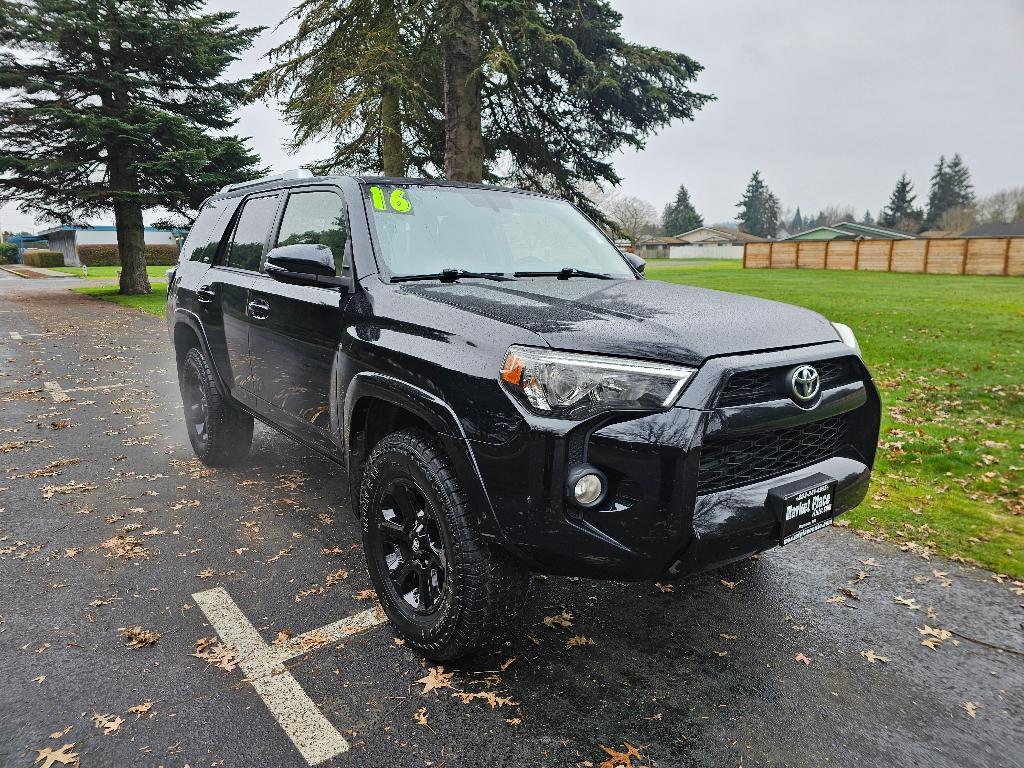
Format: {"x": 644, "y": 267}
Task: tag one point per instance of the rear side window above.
{"x": 245, "y": 251}
{"x": 316, "y": 217}
{"x": 204, "y": 237}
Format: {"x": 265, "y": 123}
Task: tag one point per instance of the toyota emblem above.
{"x": 804, "y": 383}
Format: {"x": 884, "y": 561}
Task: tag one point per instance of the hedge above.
{"x": 7, "y": 253}
{"x": 106, "y": 255}
{"x": 43, "y": 258}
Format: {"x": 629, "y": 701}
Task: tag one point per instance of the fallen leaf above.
{"x": 282, "y": 637}
{"x": 577, "y": 641}
{"x": 728, "y": 584}
{"x": 871, "y": 656}
{"x": 141, "y": 709}
{"x": 493, "y": 699}
{"x": 618, "y": 759}
{"x": 663, "y": 587}
{"x": 971, "y": 709}
{"x": 39, "y": 679}
{"x": 805, "y": 660}
{"x": 61, "y": 734}
{"x": 436, "y": 678}
{"x": 514, "y": 721}
{"x": 210, "y": 650}
{"x": 48, "y": 757}
{"x": 564, "y": 620}
{"x": 724, "y": 636}
{"x": 506, "y": 664}
{"x": 910, "y": 602}
{"x": 109, "y": 723}
{"x": 420, "y": 716}
{"x": 365, "y": 594}
{"x": 138, "y": 637}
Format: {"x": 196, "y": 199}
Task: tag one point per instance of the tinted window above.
{"x": 246, "y": 248}
{"x": 204, "y": 237}
{"x": 316, "y": 217}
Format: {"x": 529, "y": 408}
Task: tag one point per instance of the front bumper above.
{"x": 660, "y": 516}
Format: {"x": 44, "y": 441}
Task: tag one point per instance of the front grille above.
{"x": 729, "y": 462}
{"x": 745, "y": 387}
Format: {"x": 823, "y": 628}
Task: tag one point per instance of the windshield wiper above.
{"x": 451, "y": 275}
{"x": 565, "y": 273}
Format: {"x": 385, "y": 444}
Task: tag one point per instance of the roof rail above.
{"x": 295, "y": 173}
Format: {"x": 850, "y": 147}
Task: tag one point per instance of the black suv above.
{"x": 507, "y": 393}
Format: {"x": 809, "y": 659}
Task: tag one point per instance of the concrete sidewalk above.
{"x": 34, "y": 273}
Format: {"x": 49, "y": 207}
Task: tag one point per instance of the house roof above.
{"x": 849, "y": 230}
{"x": 729, "y": 233}
{"x": 660, "y": 241}
{"x": 96, "y": 228}
{"x": 1013, "y": 229}
{"x": 938, "y": 234}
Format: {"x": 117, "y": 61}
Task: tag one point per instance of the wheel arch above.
{"x": 397, "y": 405}
{"x": 187, "y": 333}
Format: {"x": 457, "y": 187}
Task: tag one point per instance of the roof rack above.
{"x": 295, "y": 173}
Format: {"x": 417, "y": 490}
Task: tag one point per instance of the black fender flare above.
{"x": 441, "y": 418}
{"x": 190, "y": 319}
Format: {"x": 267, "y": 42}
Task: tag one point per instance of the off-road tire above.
{"x": 484, "y": 588}
{"x": 224, "y": 434}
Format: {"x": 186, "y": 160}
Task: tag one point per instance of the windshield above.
{"x": 424, "y": 229}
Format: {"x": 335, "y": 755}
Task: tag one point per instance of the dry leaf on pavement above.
{"x": 210, "y": 650}
{"x": 871, "y": 656}
{"x": 49, "y": 757}
{"x": 971, "y": 709}
{"x": 564, "y": 620}
{"x": 618, "y": 759}
{"x": 141, "y": 709}
{"x": 109, "y": 723}
{"x": 420, "y": 716}
{"x": 138, "y": 637}
{"x": 578, "y": 640}
{"x": 805, "y": 660}
{"x": 436, "y": 678}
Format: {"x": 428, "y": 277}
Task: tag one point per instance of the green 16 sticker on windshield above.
{"x": 394, "y": 201}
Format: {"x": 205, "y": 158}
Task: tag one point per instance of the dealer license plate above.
{"x": 803, "y": 506}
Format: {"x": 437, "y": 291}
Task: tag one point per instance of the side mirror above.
{"x": 304, "y": 264}
{"x": 637, "y": 263}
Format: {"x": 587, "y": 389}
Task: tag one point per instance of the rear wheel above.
{"x": 442, "y": 587}
{"x": 220, "y": 433}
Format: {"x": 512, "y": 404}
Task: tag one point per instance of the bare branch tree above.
{"x": 632, "y": 216}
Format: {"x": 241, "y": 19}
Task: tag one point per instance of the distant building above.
{"x": 66, "y": 239}
{"x": 699, "y": 243}
{"x": 1013, "y": 229}
{"x": 850, "y": 230}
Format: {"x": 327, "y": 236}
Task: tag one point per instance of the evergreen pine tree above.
{"x": 680, "y": 215}
{"x": 798, "y": 221}
{"x": 539, "y": 95}
{"x": 759, "y": 208}
{"x": 868, "y": 219}
{"x": 900, "y": 213}
{"x": 961, "y": 190}
{"x": 119, "y": 105}
{"x": 940, "y": 194}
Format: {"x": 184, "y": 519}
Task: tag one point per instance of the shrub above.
{"x": 7, "y": 253}
{"x": 43, "y": 258}
{"x": 106, "y": 255}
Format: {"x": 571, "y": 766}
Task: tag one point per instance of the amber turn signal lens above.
{"x": 512, "y": 371}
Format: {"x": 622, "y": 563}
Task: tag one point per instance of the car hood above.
{"x": 636, "y": 318}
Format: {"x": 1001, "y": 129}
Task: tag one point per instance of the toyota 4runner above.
{"x": 507, "y": 393}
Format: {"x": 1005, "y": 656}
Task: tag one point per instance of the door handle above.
{"x": 205, "y": 294}
{"x": 258, "y": 309}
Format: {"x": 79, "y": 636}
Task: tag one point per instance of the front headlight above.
{"x": 846, "y": 334}
{"x": 574, "y": 386}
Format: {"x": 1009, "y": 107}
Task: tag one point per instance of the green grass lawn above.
{"x": 154, "y": 303}
{"x": 110, "y": 273}
{"x": 947, "y": 353}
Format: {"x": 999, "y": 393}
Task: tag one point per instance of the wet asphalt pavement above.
{"x": 107, "y": 521}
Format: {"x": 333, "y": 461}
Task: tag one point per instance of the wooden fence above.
{"x": 960, "y": 256}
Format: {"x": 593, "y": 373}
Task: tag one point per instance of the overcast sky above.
{"x": 830, "y": 100}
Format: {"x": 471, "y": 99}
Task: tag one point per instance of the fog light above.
{"x": 586, "y": 486}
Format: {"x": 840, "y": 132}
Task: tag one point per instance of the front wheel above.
{"x": 445, "y": 591}
{"x": 220, "y": 433}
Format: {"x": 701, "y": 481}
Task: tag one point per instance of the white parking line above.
{"x": 15, "y": 335}
{"x": 264, "y": 667}
{"x": 53, "y": 389}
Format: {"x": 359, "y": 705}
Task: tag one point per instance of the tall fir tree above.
{"x": 680, "y": 215}
{"x": 900, "y": 213}
{"x": 759, "y": 209}
{"x": 114, "y": 106}
{"x": 536, "y": 94}
{"x": 797, "y": 224}
{"x": 868, "y": 219}
{"x": 961, "y": 188}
